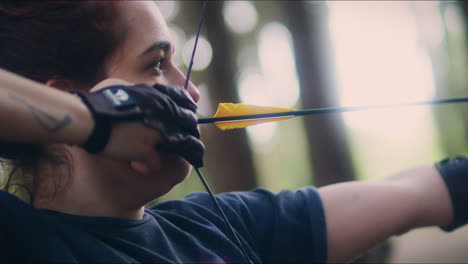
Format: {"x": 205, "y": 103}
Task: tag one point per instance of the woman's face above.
{"x": 145, "y": 56}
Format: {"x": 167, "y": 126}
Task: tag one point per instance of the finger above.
{"x": 175, "y": 119}
{"x": 189, "y": 147}
{"x": 163, "y": 113}
{"x": 188, "y": 122}
{"x": 179, "y": 95}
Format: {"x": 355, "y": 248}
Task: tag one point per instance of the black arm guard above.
{"x": 455, "y": 174}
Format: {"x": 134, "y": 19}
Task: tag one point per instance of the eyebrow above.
{"x": 163, "y": 45}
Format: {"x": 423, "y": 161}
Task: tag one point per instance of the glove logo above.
{"x": 120, "y": 98}
{"x": 121, "y": 95}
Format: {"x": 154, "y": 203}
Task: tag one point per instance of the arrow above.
{"x": 232, "y": 116}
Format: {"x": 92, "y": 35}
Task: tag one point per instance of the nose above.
{"x": 179, "y": 79}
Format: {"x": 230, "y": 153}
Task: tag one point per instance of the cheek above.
{"x": 175, "y": 166}
{"x": 173, "y": 170}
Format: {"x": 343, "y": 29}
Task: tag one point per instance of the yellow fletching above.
{"x": 230, "y": 109}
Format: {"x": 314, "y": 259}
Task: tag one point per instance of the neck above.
{"x": 84, "y": 210}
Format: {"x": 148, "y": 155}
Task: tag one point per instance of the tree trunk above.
{"x": 330, "y": 156}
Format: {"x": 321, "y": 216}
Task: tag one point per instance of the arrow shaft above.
{"x": 328, "y": 110}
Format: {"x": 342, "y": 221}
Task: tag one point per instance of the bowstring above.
{"x": 200, "y": 176}
{"x": 189, "y": 71}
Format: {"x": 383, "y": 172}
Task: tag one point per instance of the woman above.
{"x": 88, "y": 201}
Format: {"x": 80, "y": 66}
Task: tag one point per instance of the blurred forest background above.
{"x": 304, "y": 54}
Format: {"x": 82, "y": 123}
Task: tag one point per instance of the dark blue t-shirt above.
{"x": 288, "y": 227}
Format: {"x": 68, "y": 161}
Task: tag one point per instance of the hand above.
{"x": 128, "y": 140}
{"x": 175, "y": 118}
{"x": 168, "y": 113}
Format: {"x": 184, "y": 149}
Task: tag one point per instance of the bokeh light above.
{"x": 274, "y": 83}
{"x": 203, "y": 55}
{"x": 453, "y": 19}
{"x": 262, "y": 135}
{"x": 253, "y": 89}
{"x": 277, "y": 64}
{"x": 240, "y": 16}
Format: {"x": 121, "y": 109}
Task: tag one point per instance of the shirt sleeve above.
{"x": 286, "y": 227}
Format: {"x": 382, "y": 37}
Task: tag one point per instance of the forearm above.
{"x": 32, "y": 112}
{"x": 433, "y": 207}
{"x": 361, "y": 214}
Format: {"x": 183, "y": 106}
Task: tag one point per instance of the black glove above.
{"x": 166, "y": 108}
{"x": 178, "y": 142}
{"x": 189, "y": 147}
{"x": 455, "y": 174}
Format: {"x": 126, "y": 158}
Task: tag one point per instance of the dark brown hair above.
{"x": 42, "y": 40}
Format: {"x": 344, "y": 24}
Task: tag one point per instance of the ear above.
{"x": 62, "y": 84}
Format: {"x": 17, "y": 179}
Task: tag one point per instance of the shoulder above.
{"x": 16, "y": 212}
{"x": 11, "y": 202}
{"x": 18, "y": 215}
{"x": 262, "y": 199}
{"x": 23, "y": 230}
{"x": 259, "y": 199}
{"x": 293, "y": 221}
{"x": 259, "y": 196}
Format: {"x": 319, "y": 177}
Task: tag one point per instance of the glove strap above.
{"x": 102, "y": 129}
{"x": 99, "y": 137}
{"x": 455, "y": 174}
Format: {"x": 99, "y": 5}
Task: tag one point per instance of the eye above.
{"x": 158, "y": 64}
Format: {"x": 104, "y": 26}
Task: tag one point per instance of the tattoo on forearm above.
{"x": 45, "y": 120}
